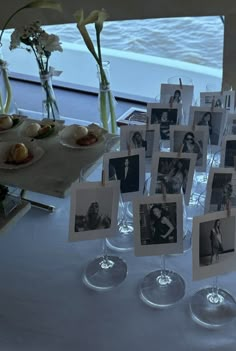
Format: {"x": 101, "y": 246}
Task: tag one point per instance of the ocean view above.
{"x": 192, "y": 39}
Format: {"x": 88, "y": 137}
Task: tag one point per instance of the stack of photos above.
{"x": 93, "y": 210}
{"x": 173, "y": 173}
{"x": 133, "y": 115}
{"x": 165, "y": 116}
{"x": 177, "y": 94}
{"x": 135, "y": 137}
{"x": 191, "y": 140}
{"x": 212, "y": 99}
{"x": 228, "y": 151}
{"x": 129, "y": 168}
{"x": 213, "y": 119}
{"x": 213, "y": 246}
{"x": 221, "y": 189}
{"x": 158, "y": 225}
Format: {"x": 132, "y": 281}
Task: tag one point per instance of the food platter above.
{"x": 17, "y": 121}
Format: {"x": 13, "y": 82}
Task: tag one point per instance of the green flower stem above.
{"x": 8, "y": 91}
{"x": 50, "y": 102}
{"x": 1, "y": 104}
{"x": 112, "y": 111}
{"x": 103, "y": 109}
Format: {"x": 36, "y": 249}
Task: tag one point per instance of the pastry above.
{"x": 32, "y": 129}
{"x": 18, "y": 153}
{"x": 6, "y": 122}
{"x": 87, "y": 140}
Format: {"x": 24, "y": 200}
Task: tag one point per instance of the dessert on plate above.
{"x": 18, "y": 153}
{"x": 39, "y": 131}
{"x": 8, "y": 121}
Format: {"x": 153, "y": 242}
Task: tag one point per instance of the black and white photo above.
{"x": 93, "y": 210}
{"x": 231, "y": 124}
{"x": 188, "y": 140}
{"x": 214, "y": 244}
{"x": 136, "y": 137}
{"x": 220, "y": 191}
{"x": 228, "y": 151}
{"x": 214, "y": 120}
{"x": 172, "y": 173}
{"x": 229, "y": 100}
{"x": 129, "y": 168}
{"x": 175, "y": 95}
{"x": 212, "y": 99}
{"x": 165, "y": 116}
{"x": 133, "y": 116}
{"x": 158, "y": 225}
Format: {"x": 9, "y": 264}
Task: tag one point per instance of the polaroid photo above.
{"x": 228, "y": 151}
{"x": 93, "y": 210}
{"x": 165, "y": 116}
{"x": 176, "y": 94}
{"x": 129, "y": 168}
{"x": 213, "y": 99}
{"x": 191, "y": 140}
{"x": 220, "y": 190}
{"x": 133, "y": 116}
{"x": 158, "y": 225}
{"x": 136, "y": 137}
{"x": 213, "y": 245}
{"x": 231, "y": 124}
{"x": 213, "y": 119}
{"x": 229, "y": 100}
{"x": 173, "y": 173}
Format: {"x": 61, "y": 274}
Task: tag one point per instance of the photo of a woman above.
{"x": 138, "y": 141}
{"x": 176, "y": 98}
{"x": 216, "y": 242}
{"x": 190, "y": 145}
{"x": 163, "y": 231}
{"x": 206, "y": 120}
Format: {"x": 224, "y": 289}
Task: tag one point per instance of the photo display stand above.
{"x": 213, "y": 307}
{"x": 162, "y": 288}
{"x": 124, "y": 240}
{"x": 106, "y": 271}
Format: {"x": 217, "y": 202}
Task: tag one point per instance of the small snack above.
{"x": 18, "y": 153}
{"x": 87, "y": 140}
{"x": 81, "y": 132}
{"x": 32, "y": 129}
{"x": 6, "y": 122}
{"x": 44, "y": 130}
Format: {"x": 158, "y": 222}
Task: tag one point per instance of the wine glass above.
{"x": 212, "y": 307}
{"x": 105, "y": 271}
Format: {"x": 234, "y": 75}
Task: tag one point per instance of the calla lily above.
{"x": 98, "y": 17}
{"x": 42, "y": 4}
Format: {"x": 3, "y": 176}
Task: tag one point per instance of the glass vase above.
{"x": 106, "y": 100}
{"x": 7, "y": 105}
{"x": 49, "y": 104}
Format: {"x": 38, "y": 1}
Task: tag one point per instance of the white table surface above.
{"x": 44, "y": 305}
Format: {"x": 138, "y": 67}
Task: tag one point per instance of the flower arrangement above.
{"x": 6, "y": 96}
{"x": 98, "y": 17}
{"x": 42, "y": 44}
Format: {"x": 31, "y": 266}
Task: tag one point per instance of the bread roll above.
{"x": 18, "y": 153}
{"x": 6, "y": 122}
{"x": 32, "y": 129}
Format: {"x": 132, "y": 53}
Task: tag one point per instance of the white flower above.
{"x": 50, "y": 42}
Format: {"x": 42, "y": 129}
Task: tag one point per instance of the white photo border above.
{"x": 173, "y": 155}
{"x": 212, "y": 172}
{"x": 127, "y": 196}
{"x": 93, "y": 187}
{"x": 158, "y": 249}
{"x": 222, "y": 125}
{"x": 187, "y": 129}
{"x": 228, "y": 265}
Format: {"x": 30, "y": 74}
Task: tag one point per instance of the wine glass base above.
{"x": 211, "y": 309}
{"x": 121, "y": 242}
{"x": 104, "y": 275}
{"x": 159, "y": 292}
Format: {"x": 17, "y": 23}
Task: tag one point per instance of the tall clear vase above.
{"x": 49, "y": 104}
{"x": 7, "y": 104}
{"x": 106, "y": 100}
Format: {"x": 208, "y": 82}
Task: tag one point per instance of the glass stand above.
{"x": 162, "y": 288}
{"x": 105, "y": 272}
{"x": 124, "y": 240}
{"x": 212, "y": 307}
